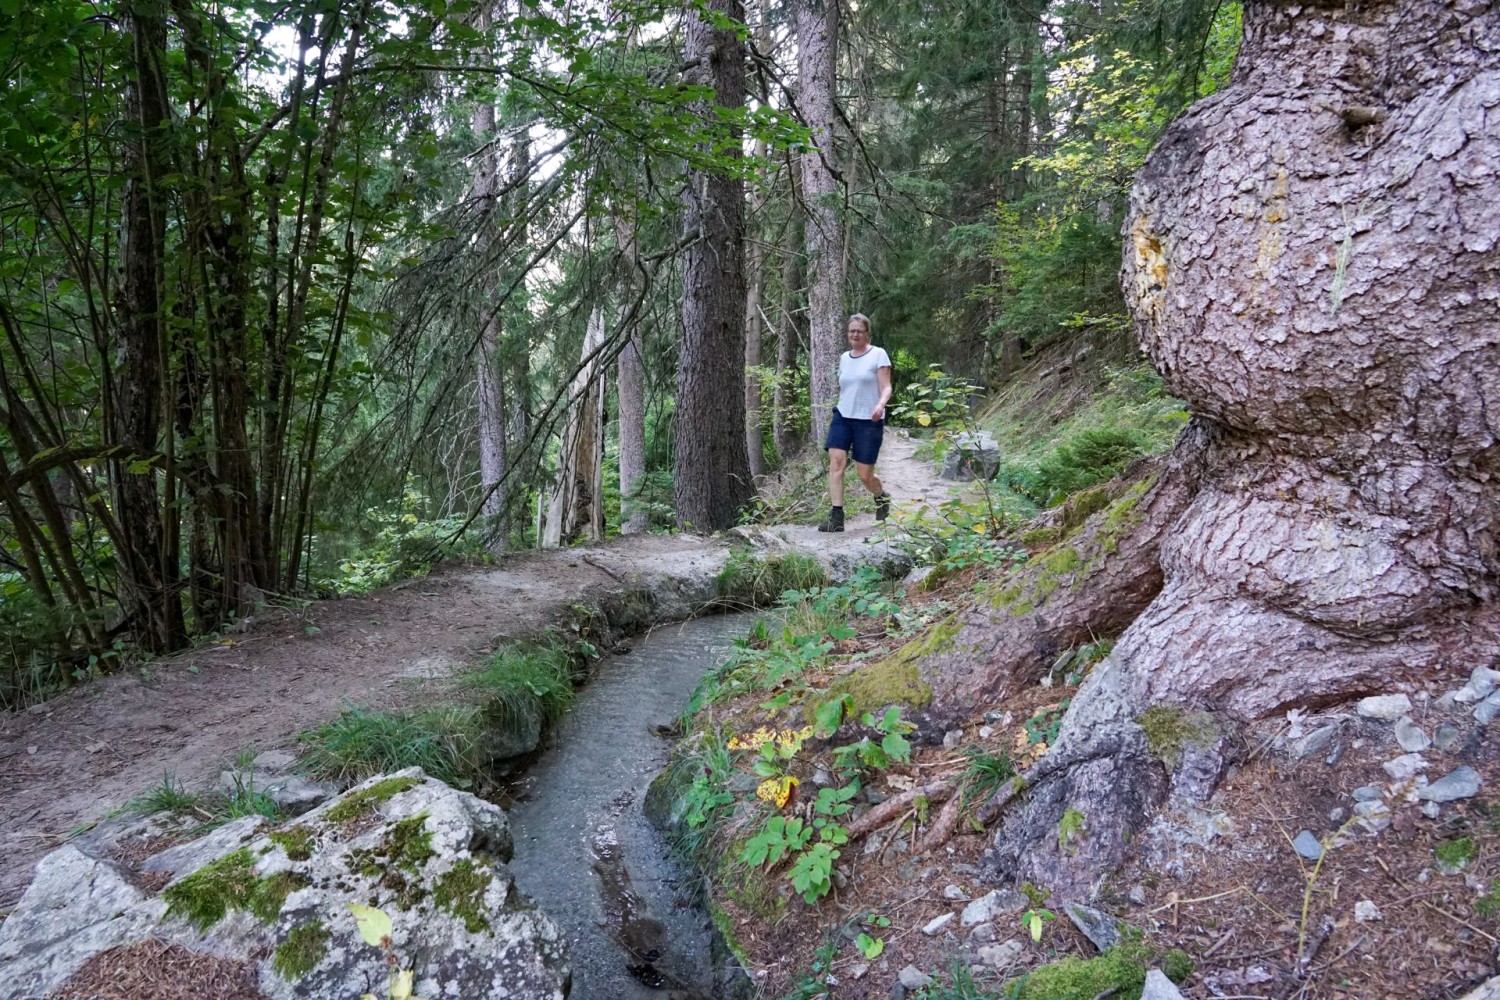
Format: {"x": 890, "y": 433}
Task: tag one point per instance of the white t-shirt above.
{"x": 859, "y": 382}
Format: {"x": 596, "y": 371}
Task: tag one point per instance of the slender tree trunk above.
{"x": 787, "y": 338}
{"x": 754, "y": 330}
{"x": 712, "y": 470}
{"x": 577, "y": 504}
{"x": 631, "y": 381}
{"x": 817, "y": 60}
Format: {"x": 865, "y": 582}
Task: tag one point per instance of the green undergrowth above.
{"x": 214, "y": 807}
{"x": 1059, "y": 438}
{"x": 1118, "y": 973}
{"x": 750, "y": 579}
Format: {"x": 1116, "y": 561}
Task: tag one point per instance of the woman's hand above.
{"x": 878, "y": 414}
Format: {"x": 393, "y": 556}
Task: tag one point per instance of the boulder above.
{"x": 972, "y": 455}
{"x": 431, "y": 858}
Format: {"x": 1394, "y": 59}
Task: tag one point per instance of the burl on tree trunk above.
{"x": 1311, "y": 260}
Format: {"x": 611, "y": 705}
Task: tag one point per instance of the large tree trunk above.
{"x": 783, "y": 420}
{"x": 711, "y": 469}
{"x": 149, "y": 595}
{"x": 1310, "y": 261}
{"x": 631, "y": 380}
{"x": 817, "y": 59}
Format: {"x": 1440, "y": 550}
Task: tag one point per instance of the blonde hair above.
{"x": 865, "y": 320}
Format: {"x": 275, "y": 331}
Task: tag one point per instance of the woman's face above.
{"x": 859, "y": 335}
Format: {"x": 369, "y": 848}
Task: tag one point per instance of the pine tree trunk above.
{"x": 631, "y": 378}
{"x": 711, "y": 470}
{"x": 754, "y": 330}
{"x": 490, "y": 415}
{"x": 817, "y": 55}
{"x": 577, "y": 505}
{"x": 783, "y": 420}
{"x": 1306, "y": 257}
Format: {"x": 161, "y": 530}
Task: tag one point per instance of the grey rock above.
{"x": 1337, "y": 814}
{"x": 1485, "y": 711}
{"x": 859, "y": 970}
{"x": 1404, "y": 767}
{"x": 1460, "y": 783}
{"x": 1314, "y": 742}
{"x": 1374, "y": 816}
{"x": 935, "y": 926}
{"x": 1099, "y": 927}
{"x": 916, "y": 576}
{"x": 964, "y": 868}
{"x": 295, "y": 795}
{"x": 1366, "y": 911}
{"x": 1001, "y": 718}
{"x": 1410, "y": 736}
{"x": 993, "y": 904}
{"x": 1432, "y": 810}
{"x": 972, "y": 455}
{"x": 1447, "y": 734}
{"x": 898, "y": 992}
{"x": 1308, "y": 845}
{"x": 983, "y": 934}
{"x": 1159, "y": 987}
{"x": 954, "y": 893}
{"x": 913, "y": 978}
{"x": 1482, "y": 683}
{"x": 1386, "y": 707}
{"x": 80, "y": 905}
{"x": 985, "y": 732}
{"x": 952, "y": 738}
{"x": 1446, "y": 702}
{"x": 1138, "y": 895}
{"x": 1368, "y": 793}
{"x": 998, "y": 956}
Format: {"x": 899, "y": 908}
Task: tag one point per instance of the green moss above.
{"x": 1118, "y": 973}
{"x": 725, "y": 926}
{"x": 460, "y": 890}
{"x": 892, "y": 681}
{"x": 296, "y": 841}
{"x": 1064, "y": 559}
{"x": 1081, "y": 506}
{"x": 302, "y": 950}
{"x": 1038, "y": 538}
{"x": 1170, "y": 729}
{"x": 1069, "y": 828}
{"x": 364, "y": 801}
{"x": 230, "y": 883}
{"x": 406, "y": 846}
{"x": 1455, "y": 855}
{"x": 1177, "y": 965}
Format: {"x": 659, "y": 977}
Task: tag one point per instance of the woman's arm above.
{"x": 883, "y": 374}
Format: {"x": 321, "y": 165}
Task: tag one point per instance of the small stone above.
{"x": 1410, "y": 735}
{"x": 859, "y": 970}
{"x": 1138, "y": 895}
{"x": 1314, "y": 742}
{"x": 964, "y": 868}
{"x": 898, "y": 992}
{"x": 1308, "y": 846}
{"x": 994, "y": 904}
{"x": 985, "y": 732}
{"x": 1159, "y": 987}
{"x": 1447, "y": 734}
{"x": 1368, "y": 793}
{"x": 952, "y": 738}
{"x": 821, "y": 777}
{"x": 1485, "y": 711}
{"x": 1337, "y": 814}
{"x": 935, "y": 926}
{"x": 1446, "y": 702}
{"x": 1100, "y": 928}
{"x": 983, "y": 934}
{"x": 1461, "y": 783}
{"x": 1431, "y": 810}
{"x": 998, "y": 956}
{"x": 1001, "y": 717}
{"x": 953, "y": 892}
{"x": 1386, "y": 707}
{"x": 1373, "y": 816}
{"x": 1482, "y": 683}
{"x": 1366, "y": 911}
{"x": 913, "y": 978}
{"x": 1404, "y": 767}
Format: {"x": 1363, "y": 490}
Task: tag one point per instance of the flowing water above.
{"x": 585, "y": 853}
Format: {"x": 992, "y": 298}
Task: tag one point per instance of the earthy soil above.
{"x": 68, "y": 761}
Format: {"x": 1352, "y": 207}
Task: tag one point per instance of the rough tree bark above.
{"x": 783, "y": 421}
{"x": 631, "y": 379}
{"x": 711, "y": 469}
{"x": 817, "y": 60}
{"x": 1311, "y": 261}
{"x": 491, "y": 409}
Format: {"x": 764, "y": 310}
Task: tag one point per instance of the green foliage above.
{"x": 169, "y": 796}
{"x": 445, "y": 742}
{"x": 460, "y": 890}
{"x": 812, "y": 872}
{"x": 984, "y": 772}
{"x": 1069, "y": 828}
{"x": 524, "y": 685}
{"x": 779, "y": 838}
{"x": 1090, "y": 457}
{"x": 1488, "y": 904}
{"x": 939, "y": 401}
{"x": 749, "y": 578}
{"x": 1454, "y": 856}
{"x": 1044, "y": 725}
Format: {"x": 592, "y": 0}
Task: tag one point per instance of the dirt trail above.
{"x": 68, "y": 761}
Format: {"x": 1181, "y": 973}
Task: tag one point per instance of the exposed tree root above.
{"x": 942, "y": 828}
{"x": 933, "y": 791}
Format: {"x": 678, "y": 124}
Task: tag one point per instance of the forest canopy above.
{"x": 296, "y": 294}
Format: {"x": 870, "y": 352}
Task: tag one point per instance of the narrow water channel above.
{"x": 585, "y": 853}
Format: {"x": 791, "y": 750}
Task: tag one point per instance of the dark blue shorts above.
{"x": 862, "y": 437}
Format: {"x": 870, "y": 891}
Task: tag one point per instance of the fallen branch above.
{"x": 936, "y": 791}
{"x": 943, "y": 827}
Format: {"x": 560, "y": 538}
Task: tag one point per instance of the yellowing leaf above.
{"x": 374, "y": 925}
{"x": 924, "y": 420}
{"x": 401, "y": 985}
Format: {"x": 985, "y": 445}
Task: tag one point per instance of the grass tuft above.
{"x": 361, "y": 743}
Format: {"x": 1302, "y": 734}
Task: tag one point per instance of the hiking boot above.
{"x": 882, "y": 506}
{"x": 834, "y": 521}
